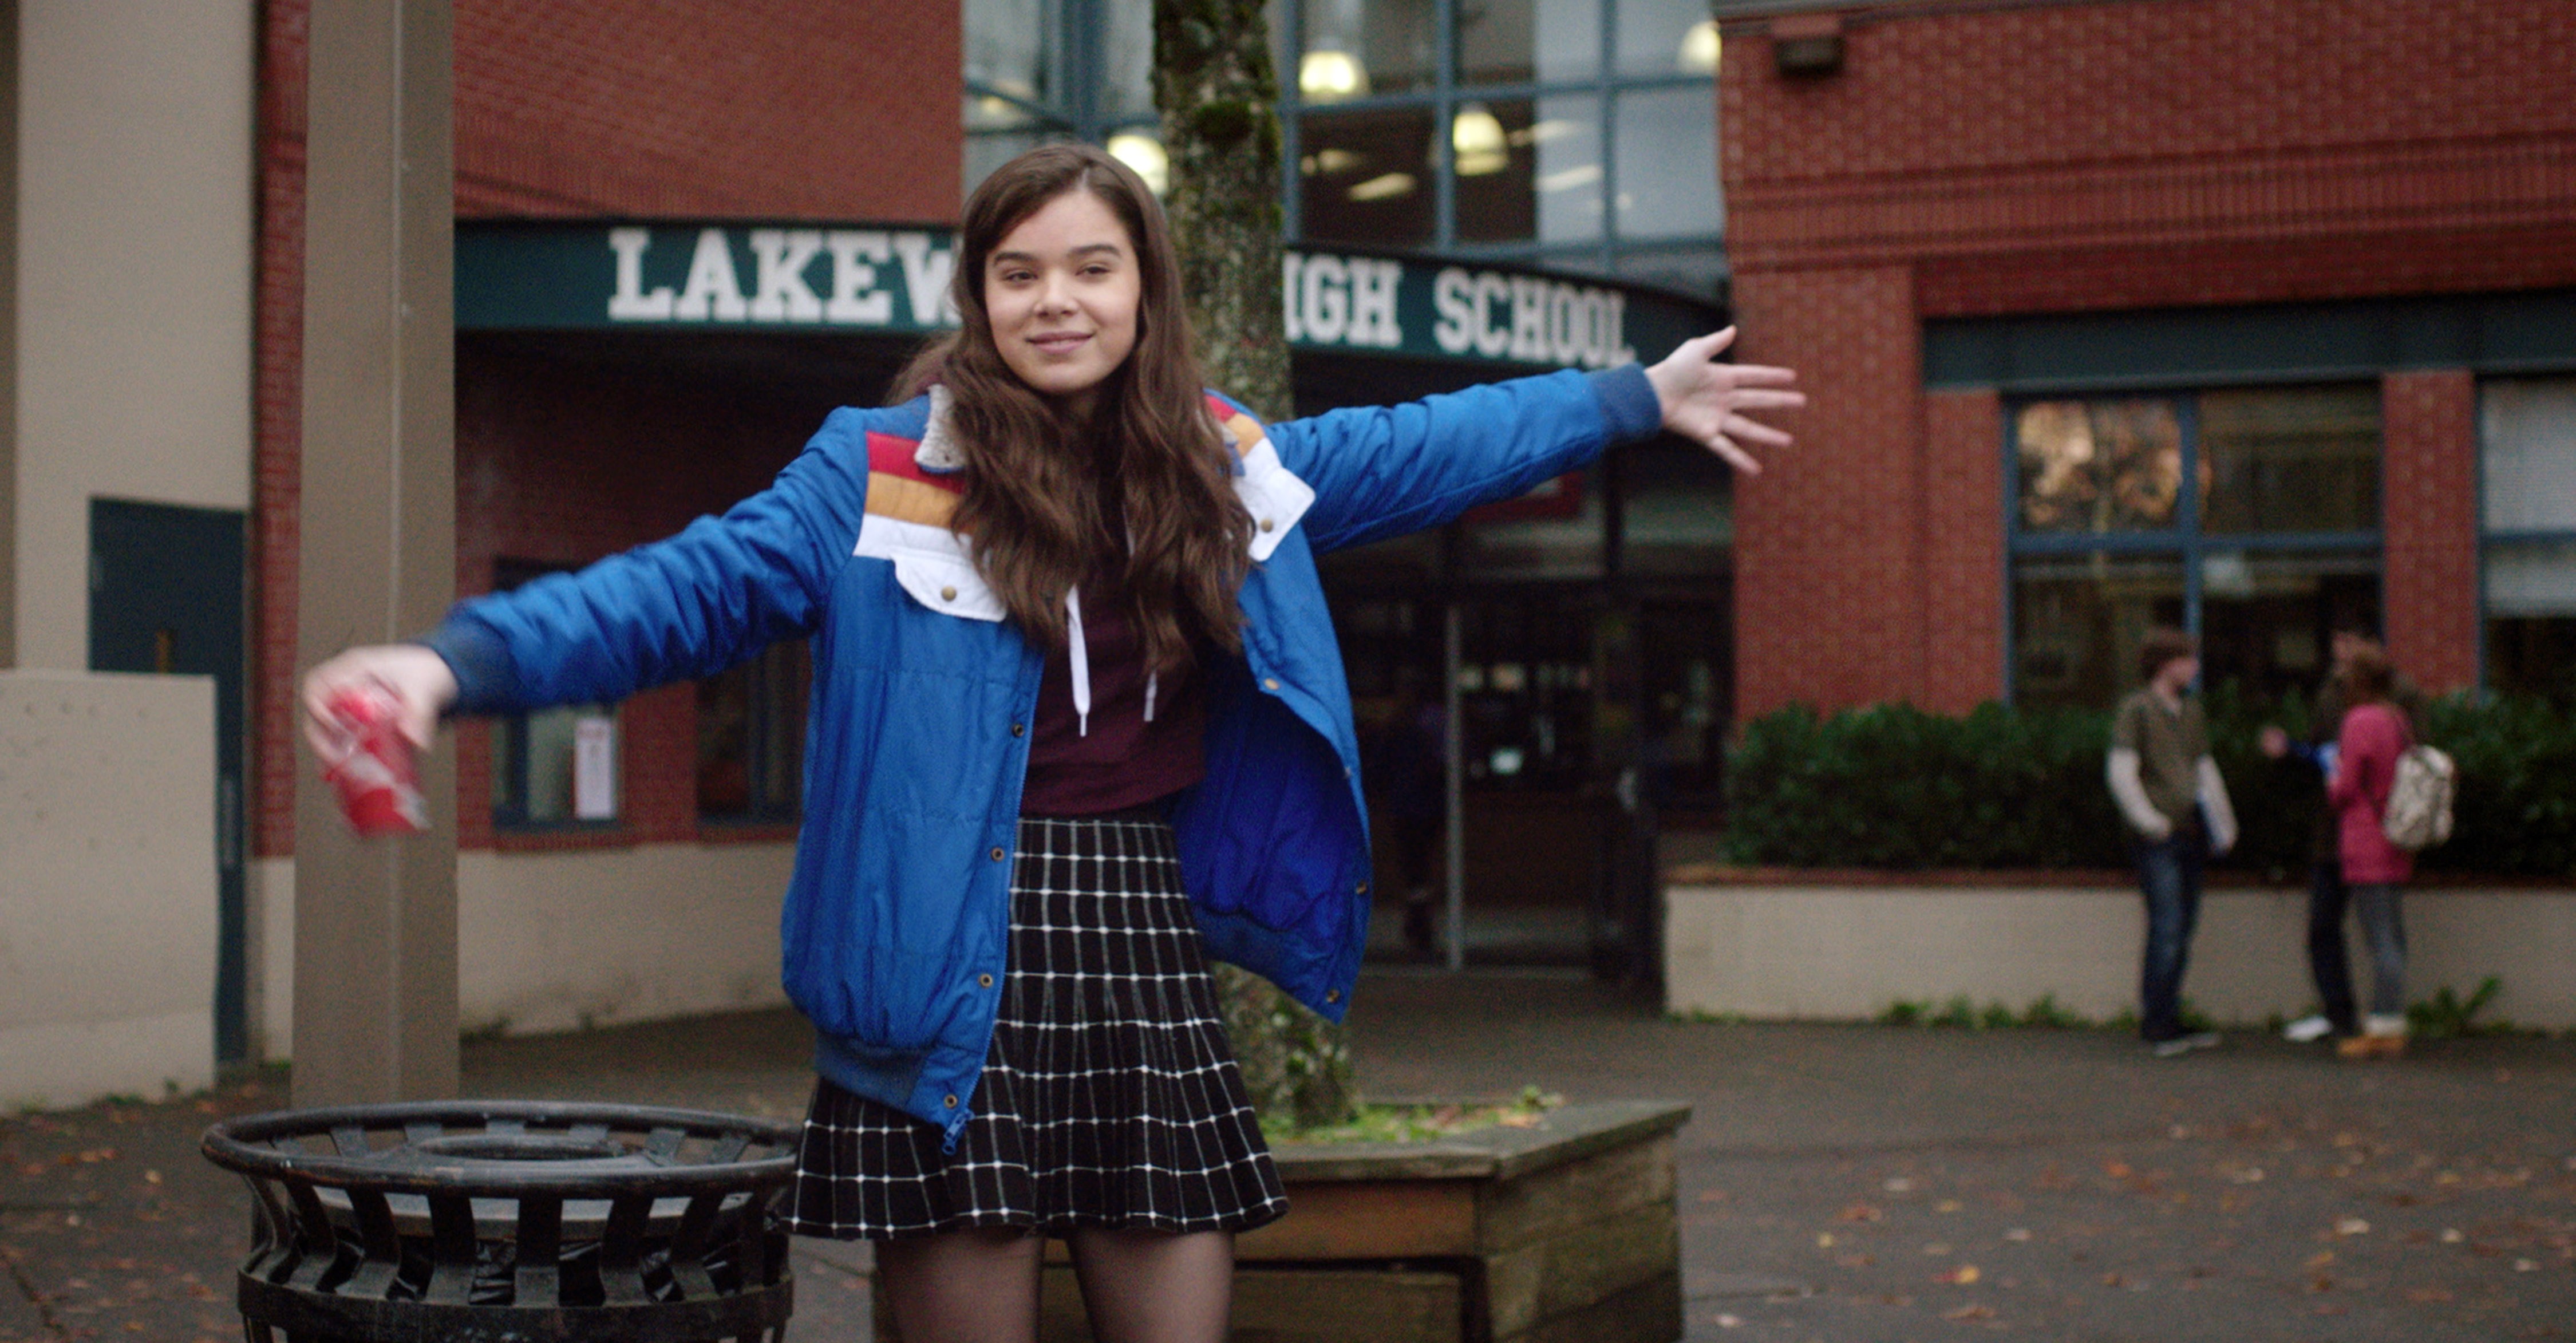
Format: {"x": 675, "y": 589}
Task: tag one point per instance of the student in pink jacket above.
{"x": 2374, "y": 733}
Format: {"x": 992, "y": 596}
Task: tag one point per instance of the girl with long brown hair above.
{"x": 1078, "y": 723}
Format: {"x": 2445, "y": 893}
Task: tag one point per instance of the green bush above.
{"x": 1897, "y": 788}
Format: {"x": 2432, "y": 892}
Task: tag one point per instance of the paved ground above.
{"x": 1842, "y": 1183}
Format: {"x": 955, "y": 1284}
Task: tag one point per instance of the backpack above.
{"x": 2419, "y": 798}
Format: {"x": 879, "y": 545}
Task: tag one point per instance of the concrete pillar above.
{"x": 375, "y": 921}
{"x": 8, "y": 333}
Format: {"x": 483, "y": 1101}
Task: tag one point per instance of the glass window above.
{"x": 2527, "y": 452}
{"x": 555, "y": 767}
{"x": 751, "y": 738}
{"x": 2266, "y": 620}
{"x": 1677, "y": 514}
{"x": 1007, "y": 49}
{"x": 1127, "y": 56}
{"x": 1524, "y": 41}
{"x": 1491, "y": 146}
{"x": 2527, "y": 432}
{"x": 1566, "y": 177}
{"x": 2279, "y": 552}
{"x": 1688, "y": 270}
{"x": 1667, "y": 162}
{"x": 2290, "y": 459}
{"x": 1666, "y": 37}
{"x": 1553, "y": 531}
{"x": 2098, "y": 466}
{"x": 2078, "y": 620}
{"x": 1359, "y": 47}
{"x": 1367, "y": 176}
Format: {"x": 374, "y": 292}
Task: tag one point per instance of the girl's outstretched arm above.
{"x": 1383, "y": 471}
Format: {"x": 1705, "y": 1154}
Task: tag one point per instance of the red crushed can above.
{"x": 370, "y": 762}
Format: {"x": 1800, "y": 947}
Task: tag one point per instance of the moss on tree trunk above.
{"x": 1218, "y": 96}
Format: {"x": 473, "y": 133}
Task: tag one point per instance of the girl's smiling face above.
{"x": 1062, "y": 290}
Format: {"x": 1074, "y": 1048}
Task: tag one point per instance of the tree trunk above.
{"x": 1219, "y": 98}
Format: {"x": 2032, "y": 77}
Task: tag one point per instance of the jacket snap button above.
{"x": 997, "y": 853}
{"x": 1332, "y": 995}
{"x": 951, "y": 1102}
{"x": 1019, "y": 729}
{"x": 948, "y": 594}
{"x": 1361, "y": 889}
{"x": 1270, "y": 683}
{"x": 1265, "y": 524}
{"x": 984, "y": 980}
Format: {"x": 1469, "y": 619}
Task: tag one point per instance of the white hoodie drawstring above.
{"x": 1078, "y": 657}
{"x": 1078, "y": 654}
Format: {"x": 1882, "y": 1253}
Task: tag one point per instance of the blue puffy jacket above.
{"x": 894, "y": 925}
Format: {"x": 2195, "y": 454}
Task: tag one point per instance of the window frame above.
{"x": 1605, "y": 255}
{"x": 2184, "y": 542}
{"x": 2489, "y": 540}
{"x": 511, "y": 738}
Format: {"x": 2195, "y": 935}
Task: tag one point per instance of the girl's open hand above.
{"x": 1706, "y": 401}
{"x": 418, "y": 679}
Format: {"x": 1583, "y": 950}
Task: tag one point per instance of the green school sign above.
{"x": 882, "y": 280}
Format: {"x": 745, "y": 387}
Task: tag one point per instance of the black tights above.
{"x": 981, "y": 1286}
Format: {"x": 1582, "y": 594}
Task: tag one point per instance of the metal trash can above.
{"x": 473, "y": 1221}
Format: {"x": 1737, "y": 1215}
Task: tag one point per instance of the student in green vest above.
{"x": 2175, "y": 805}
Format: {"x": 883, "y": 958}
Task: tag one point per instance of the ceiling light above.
{"x": 1145, "y": 154}
{"x": 1329, "y": 74}
{"x": 1700, "y": 48}
{"x": 1380, "y": 188}
{"x": 1476, "y": 134}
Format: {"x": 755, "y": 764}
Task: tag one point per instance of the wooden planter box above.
{"x": 1502, "y": 1235}
{"x": 1559, "y": 1234}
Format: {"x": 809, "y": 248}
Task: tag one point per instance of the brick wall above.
{"x": 1827, "y": 579}
{"x": 1963, "y": 551}
{"x": 562, "y": 460}
{"x": 2100, "y": 157}
{"x": 2429, "y": 502}
{"x": 750, "y": 109}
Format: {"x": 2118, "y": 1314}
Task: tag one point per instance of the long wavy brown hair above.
{"x": 1052, "y": 501}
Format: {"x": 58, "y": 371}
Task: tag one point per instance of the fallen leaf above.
{"x": 2117, "y": 1170}
{"x": 1824, "y": 1240}
{"x": 1729, "y": 1322}
{"x": 2352, "y": 1226}
{"x": 1898, "y": 1185}
{"x": 2321, "y": 1258}
{"x": 2246, "y": 1175}
{"x": 2017, "y": 1234}
{"x": 1971, "y": 1311}
{"x": 2526, "y": 1266}
{"x": 2321, "y": 1283}
{"x": 2114, "y": 1280}
{"x": 2451, "y": 1235}
{"x": 1948, "y": 1205}
{"x": 1961, "y": 1276}
{"x": 152, "y": 1177}
{"x": 1858, "y": 1212}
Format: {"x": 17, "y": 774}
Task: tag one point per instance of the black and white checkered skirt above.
{"x": 1110, "y": 1097}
